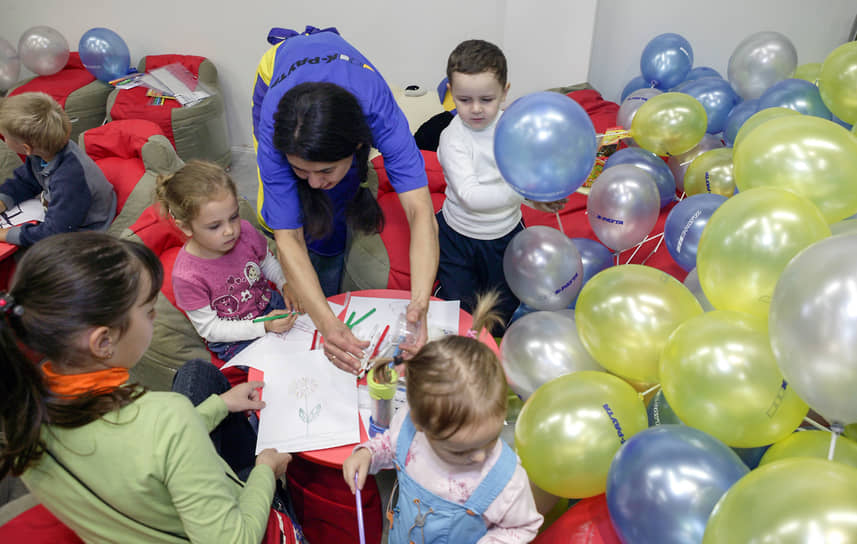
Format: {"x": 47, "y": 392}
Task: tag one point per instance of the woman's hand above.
{"x": 243, "y": 397}
{"x": 416, "y": 315}
{"x": 280, "y": 325}
{"x": 341, "y": 346}
{"x": 357, "y": 463}
{"x": 274, "y": 459}
{"x": 293, "y": 302}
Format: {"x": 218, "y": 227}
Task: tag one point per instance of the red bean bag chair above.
{"x": 587, "y": 522}
{"x": 197, "y": 131}
{"x": 83, "y": 97}
{"x": 36, "y": 525}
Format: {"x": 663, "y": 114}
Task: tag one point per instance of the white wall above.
{"x": 713, "y": 28}
{"x": 547, "y": 44}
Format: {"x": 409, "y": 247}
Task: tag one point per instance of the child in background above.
{"x": 74, "y": 191}
{"x": 458, "y": 481}
{"x": 114, "y": 462}
{"x": 220, "y": 276}
{"x": 481, "y": 213}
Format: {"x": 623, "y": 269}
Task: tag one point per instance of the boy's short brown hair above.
{"x": 36, "y": 120}
{"x": 475, "y": 57}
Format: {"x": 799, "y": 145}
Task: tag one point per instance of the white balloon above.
{"x": 543, "y": 268}
{"x": 813, "y": 326}
{"x": 759, "y": 61}
{"x": 43, "y": 50}
{"x": 623, "y": 206}
{"x": 542, "y": 346}
{"x": 10, "y": 65}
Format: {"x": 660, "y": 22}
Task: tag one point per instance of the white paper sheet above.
{"x": 309, "y": 405}
{"x": 442, "y": 317}
{"x": 29, "y": 210}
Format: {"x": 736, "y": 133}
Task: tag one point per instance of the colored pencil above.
{"x": 380, "y": 341}
{"x": 314, "y": 338}
{"x": 273, "y": 317}
{"x": 359, "y": 511}
{"x": 367, "y": 314}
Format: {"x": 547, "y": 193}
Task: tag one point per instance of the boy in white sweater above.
{"x": 481, "y": 213}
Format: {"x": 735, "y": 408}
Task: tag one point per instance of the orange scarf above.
{"x": 78, "y": 385}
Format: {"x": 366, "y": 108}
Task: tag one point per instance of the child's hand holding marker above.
{"x": 278, "y": 320}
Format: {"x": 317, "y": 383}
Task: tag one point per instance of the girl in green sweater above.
{"x": 114, "y": 462}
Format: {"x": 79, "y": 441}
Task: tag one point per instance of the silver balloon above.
{"x": 542, "y": 346}
{"x": 43, "y": 50}
{"x": 813, "y": 326}
{"x": 759, "y": 61}
{"x": 10, "y": 65}
{"x": 664, "y": 482}
{"x": 623, "y": 206}
{"x": 632, "y": 103}
{"x": 691, "y": 281}
{"x": 678, "y": 163}
{"x": 543, "y": 268}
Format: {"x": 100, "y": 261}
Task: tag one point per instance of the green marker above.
{"x": 367, "y": 314}
{"x": 273, "y": 317}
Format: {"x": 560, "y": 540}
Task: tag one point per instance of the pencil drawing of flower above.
{"x": 301, "y": 389}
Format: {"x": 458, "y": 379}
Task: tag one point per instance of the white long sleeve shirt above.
{"x": 479, "y": 203}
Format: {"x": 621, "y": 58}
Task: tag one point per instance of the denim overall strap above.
{"x": 277, "y": 34}
{"x": 494, "y": 481}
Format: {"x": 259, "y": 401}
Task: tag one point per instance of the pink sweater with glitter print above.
{"x": 511, "y": 518}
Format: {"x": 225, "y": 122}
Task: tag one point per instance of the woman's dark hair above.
{"x": 64, "y": 285}
{"x": 322, "y": 122}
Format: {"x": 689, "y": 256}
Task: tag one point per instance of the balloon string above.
{"x": 816, "y": 424}
{"x": 649, "y": 390}
{"x": 657, "y": 246}
{"x": 836, "y": 429}
{"x": 559, "y": 222}
{"x": 639, "y": 245}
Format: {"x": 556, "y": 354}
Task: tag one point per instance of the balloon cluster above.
{"x": 759, "y": 334}
{"x": 44, "y": 51}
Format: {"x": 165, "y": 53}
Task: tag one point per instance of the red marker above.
{"x": 380, "y": 341}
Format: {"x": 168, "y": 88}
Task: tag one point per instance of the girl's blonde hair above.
{"x": 37, "y": 120}
{"x": 457, "y": 381}
{"x": 183, "y": 193}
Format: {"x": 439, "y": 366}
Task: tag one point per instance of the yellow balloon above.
{"x": 747, "y": 243}
{"x": 624, "y": 315}
{"x": 811, "y": 156}
{"x": 711, "y": 172}
{"x": 808, "y": 72}
{"x": 719, "y": 374}
{"x": 812, "y": 444}
{"x": 794, "y": 501}
{"x": 761, "y": 116}
{"x": 572, "y": 426}
{"x": 837, "y": 82}
{"x": 851, "y": 431}
{"x": 669, "y": 124}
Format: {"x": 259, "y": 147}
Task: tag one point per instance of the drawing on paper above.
{"x": 302, "y": 388}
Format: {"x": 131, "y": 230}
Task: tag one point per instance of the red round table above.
{"x": 334, "y": 457}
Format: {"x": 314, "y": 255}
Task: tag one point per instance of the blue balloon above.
{"x": 651, "y": 163}
{"x": 684, "y": 226}
{"x": 595, "y": 257}
{"x": 843, "y": 124}
{"x": 545, "y": 146}
{"x": 634, "y": 85}
{"x": 796, "y": 94}
{"x": 700, "y": 72}
{"x": 716, "y": 96}
{"x": 664, "y": 481}
{"x": 666, "y": 60}
{"x": 736, "y": 118}
{"x": 104, "y": 53}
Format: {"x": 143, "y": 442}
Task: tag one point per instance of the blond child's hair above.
{"x": 477, "y": 56}
{"x": 37, "y": 120}
{"x": 184, "y": 192}
{"x": 457, "y": 381}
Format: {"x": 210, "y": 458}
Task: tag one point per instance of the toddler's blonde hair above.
{"x": 37, "y": 120}
{"x": 183, "y": 193}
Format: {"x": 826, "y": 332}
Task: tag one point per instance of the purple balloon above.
{"x": 623, "y": 206}
{"x": 684, "y": 226}
{"x": 716, "y": 96}
{"x": 666, "y": 60}
{"x": 795, "y": 94}
{"x": 651, "y": 163}
{"x": 664, "y": 481}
